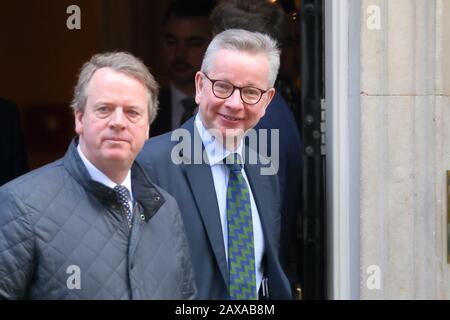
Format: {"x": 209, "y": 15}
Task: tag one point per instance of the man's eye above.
{"x": 170, "y": 41}
{"x": 222, "y": 86}
{"x": 133, "y": 113}
{"x": 103, "y": 111}
{"x": 251, "y": 92}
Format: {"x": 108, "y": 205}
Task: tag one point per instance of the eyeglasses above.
{"x": 223, "y": 89}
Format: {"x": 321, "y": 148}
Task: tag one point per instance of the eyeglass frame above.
{"x": 234, "y": 88}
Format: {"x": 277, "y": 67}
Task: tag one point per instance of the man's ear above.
{"x": 198, "y": 86}
{"x": 270, "y": 94}
{"x": 79, "y": 122}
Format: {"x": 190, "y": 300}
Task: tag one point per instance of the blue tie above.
{"x": 123, "y": 197}
{"x": 241, "y": 249}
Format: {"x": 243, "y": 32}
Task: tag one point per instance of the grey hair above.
{"x": 246, "y": 41}
{"x": 122, "y": 62}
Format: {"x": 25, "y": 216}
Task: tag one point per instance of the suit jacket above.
{"x": 56, "y": 218}
{"x": 13, "y": 157}
{"x": 193, "y": 187}
{"x": 279, "y": 116}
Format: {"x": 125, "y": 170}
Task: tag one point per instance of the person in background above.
{"x": 289, "y": 82}
{"x": 92, "y": 225}
{"x": 187, "y": 33}
{"x": 13, "y": 155}
{"x": 268, "y": 18}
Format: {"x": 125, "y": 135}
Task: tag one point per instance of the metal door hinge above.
{"x": 322, "y": 126}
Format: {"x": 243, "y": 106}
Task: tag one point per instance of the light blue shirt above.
{"x": 99, "y": 176}
{"x": 220, "y": 172}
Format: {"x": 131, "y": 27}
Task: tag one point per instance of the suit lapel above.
{"x": 269, "y": 212}
{"x": 201, "y": 181}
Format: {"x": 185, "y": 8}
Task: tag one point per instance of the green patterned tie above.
{"x": 241, "y": 249}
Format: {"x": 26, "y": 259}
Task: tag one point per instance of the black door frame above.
{"x": 312, "y": 251}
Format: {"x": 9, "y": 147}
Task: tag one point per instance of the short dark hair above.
{"x": 252, "y": 15}
{"x": 189, "y": 9}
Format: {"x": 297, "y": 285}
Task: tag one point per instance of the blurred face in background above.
{"x": 290, "y": 44}
{"x": 185, "y": 42}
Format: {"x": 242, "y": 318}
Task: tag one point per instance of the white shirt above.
{"x": 216, "y": 153}
{"x": 99, "y": 176}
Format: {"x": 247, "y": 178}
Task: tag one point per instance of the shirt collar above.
{"x": 99, "y": 176}
{"x": 215, "y": 151}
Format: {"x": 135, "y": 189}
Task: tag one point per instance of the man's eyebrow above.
{"x": 169, "y": 36}
{"x": 99, "y": 103}
{"x": 197, "y": 38}
{"x": 102, "y": 102}
{"x": 250, "y": 84}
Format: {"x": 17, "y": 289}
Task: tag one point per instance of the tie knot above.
{"x": 234, "y": 162}
{"x": 122, "y": 193}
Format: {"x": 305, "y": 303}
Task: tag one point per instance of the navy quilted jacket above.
{"x": 64, "y": 236}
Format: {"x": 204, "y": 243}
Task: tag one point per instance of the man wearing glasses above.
{"x": 231, "y": 211}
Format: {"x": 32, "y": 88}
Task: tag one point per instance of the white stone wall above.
{"x": 405, "y": 148}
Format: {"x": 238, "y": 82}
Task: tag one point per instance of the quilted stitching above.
{"x": 49, "y": 220}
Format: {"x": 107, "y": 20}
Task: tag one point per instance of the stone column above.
{"x": 405, "y": 148}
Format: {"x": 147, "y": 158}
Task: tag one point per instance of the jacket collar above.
{"x": 145, "y": 193}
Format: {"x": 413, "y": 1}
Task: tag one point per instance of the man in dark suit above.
{"x": 187, "y": 33}
{"x": 233, "y": 90}
{"x": 268, "y": 18}
{"x": 13, "y": 156}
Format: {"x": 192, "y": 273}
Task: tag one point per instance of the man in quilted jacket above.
{"x": 92, "y": 225}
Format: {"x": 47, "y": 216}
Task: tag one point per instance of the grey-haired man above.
{"x": 233, "y": 89}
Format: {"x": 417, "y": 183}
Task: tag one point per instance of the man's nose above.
{"x": 117, "y": 119}
{"x": 234, "y": 101}
{"x": 180, "y": 51}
